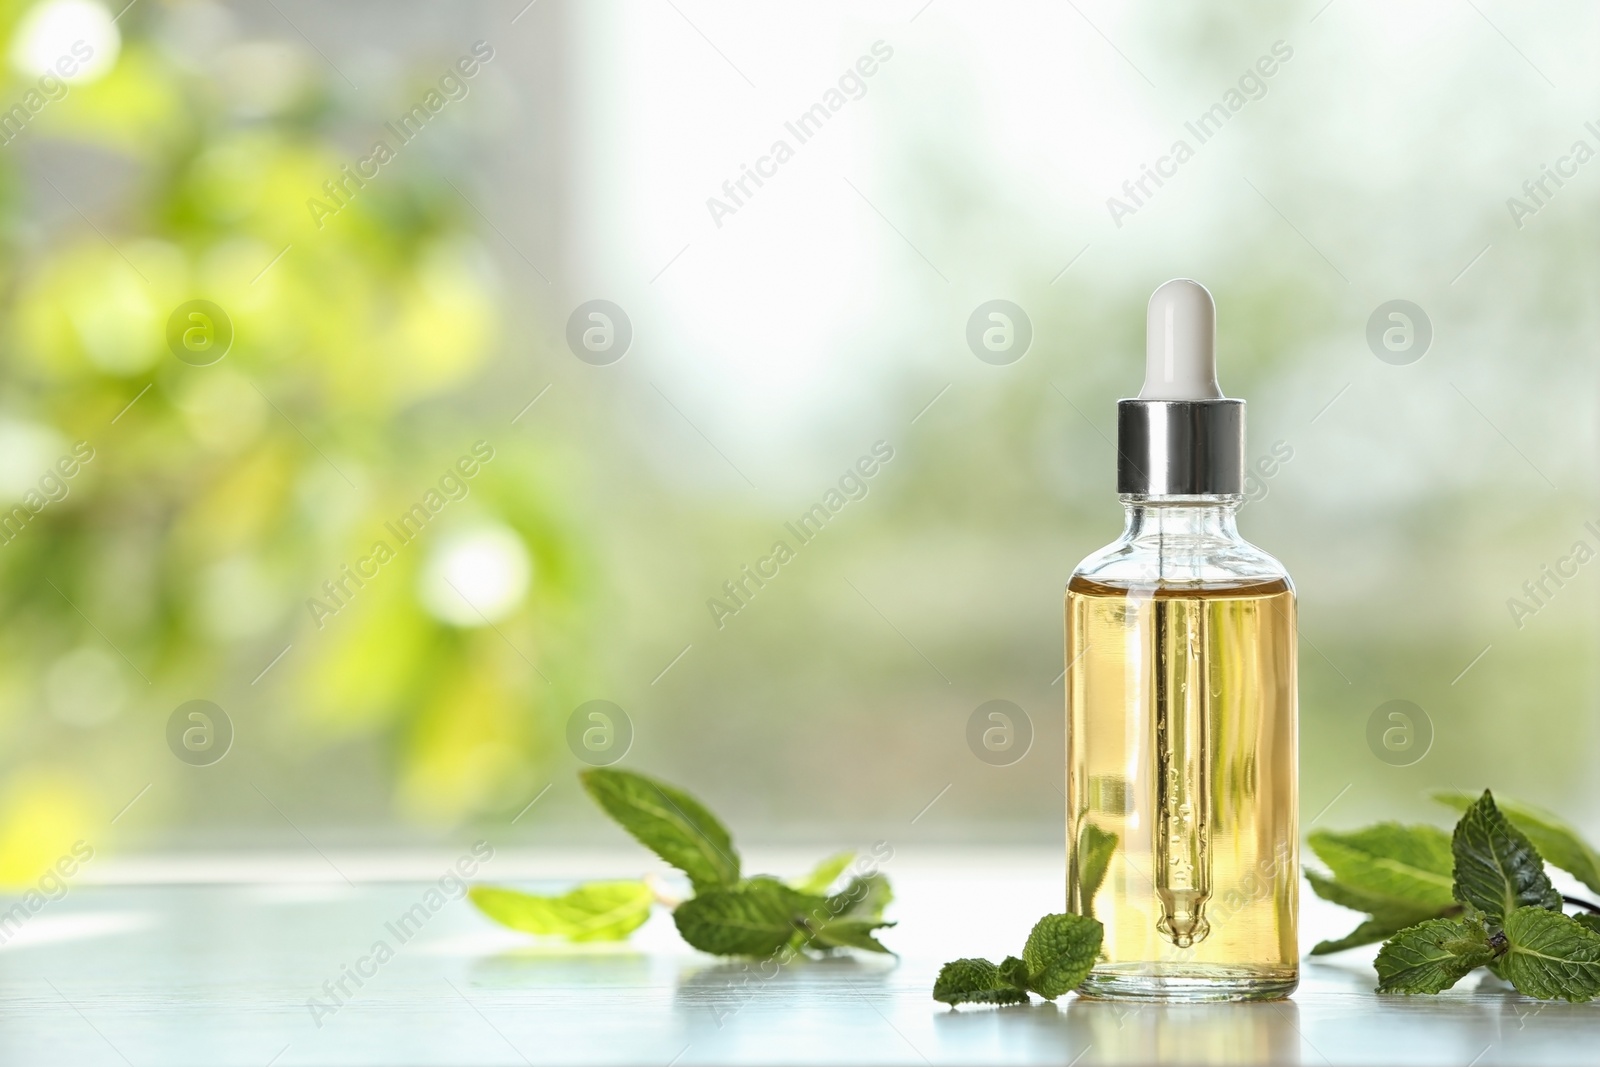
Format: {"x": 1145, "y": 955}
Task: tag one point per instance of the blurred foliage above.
{"x": 181, "y": 559}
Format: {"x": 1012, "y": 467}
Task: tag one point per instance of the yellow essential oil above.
{"x": 1181, "y": 761}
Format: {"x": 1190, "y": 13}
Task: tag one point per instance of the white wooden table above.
{"x": 222, "y": 973}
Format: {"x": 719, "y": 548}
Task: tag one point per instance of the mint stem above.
{"x": 1579, "y": 903}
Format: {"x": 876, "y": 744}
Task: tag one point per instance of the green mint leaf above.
{"x": 824, "y": 874}
{"x": 754, "y": 918}
{"x": 847, "y": 918}
{"x": 1432, "y": 956}
{"x": 1366, "y": 933}
{"x": 975, "y": 982}
{"x": 849, "y": 933}
{"x": 1399, "y": 875}
{"x": 1095, "y": 848}
{"x": 1060, "y": 951}
{"x": 864, "y": 897}
{"x": 1014, "y": 972}
{"x": 598, "y": 911}
{"x": 1387, "y": 917}
{"x": 1392, "y": 868}
{"x": 1357, "y": 898}
{"x": 1497, "y": 869}
{"x": 1373, "y": 930}
{"x": 1550, "y": 956}
{"x": 1588, "y": 920}
{"x": 762, "y": 915}
{"x": 1557, "y": 842}
{"x": 669, "y": 822}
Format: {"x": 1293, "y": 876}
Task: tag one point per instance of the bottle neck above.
{"x": 1196, "y": 518}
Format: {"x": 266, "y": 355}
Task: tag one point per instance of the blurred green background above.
{"x": 374, "y": 346}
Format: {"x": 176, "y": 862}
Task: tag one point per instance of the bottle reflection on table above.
{"x": 1121, "y": 1031}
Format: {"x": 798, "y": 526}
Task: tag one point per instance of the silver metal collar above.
{"x": 1180, "y": 447}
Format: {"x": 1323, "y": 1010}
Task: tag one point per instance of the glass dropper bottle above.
{"x": 1181, "y": 700}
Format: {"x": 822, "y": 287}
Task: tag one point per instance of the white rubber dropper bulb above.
{"x": 1180, "y": 344}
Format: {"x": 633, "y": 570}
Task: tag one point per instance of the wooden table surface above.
{"x": 226, "y": 972}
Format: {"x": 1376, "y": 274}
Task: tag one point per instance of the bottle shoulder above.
{"x": 1143, "y": 561}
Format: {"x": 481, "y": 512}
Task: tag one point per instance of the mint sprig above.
{"x": 728, "y": 915}
{"x": 1058, "y": 955}
{"x": 1502, "y": 913}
